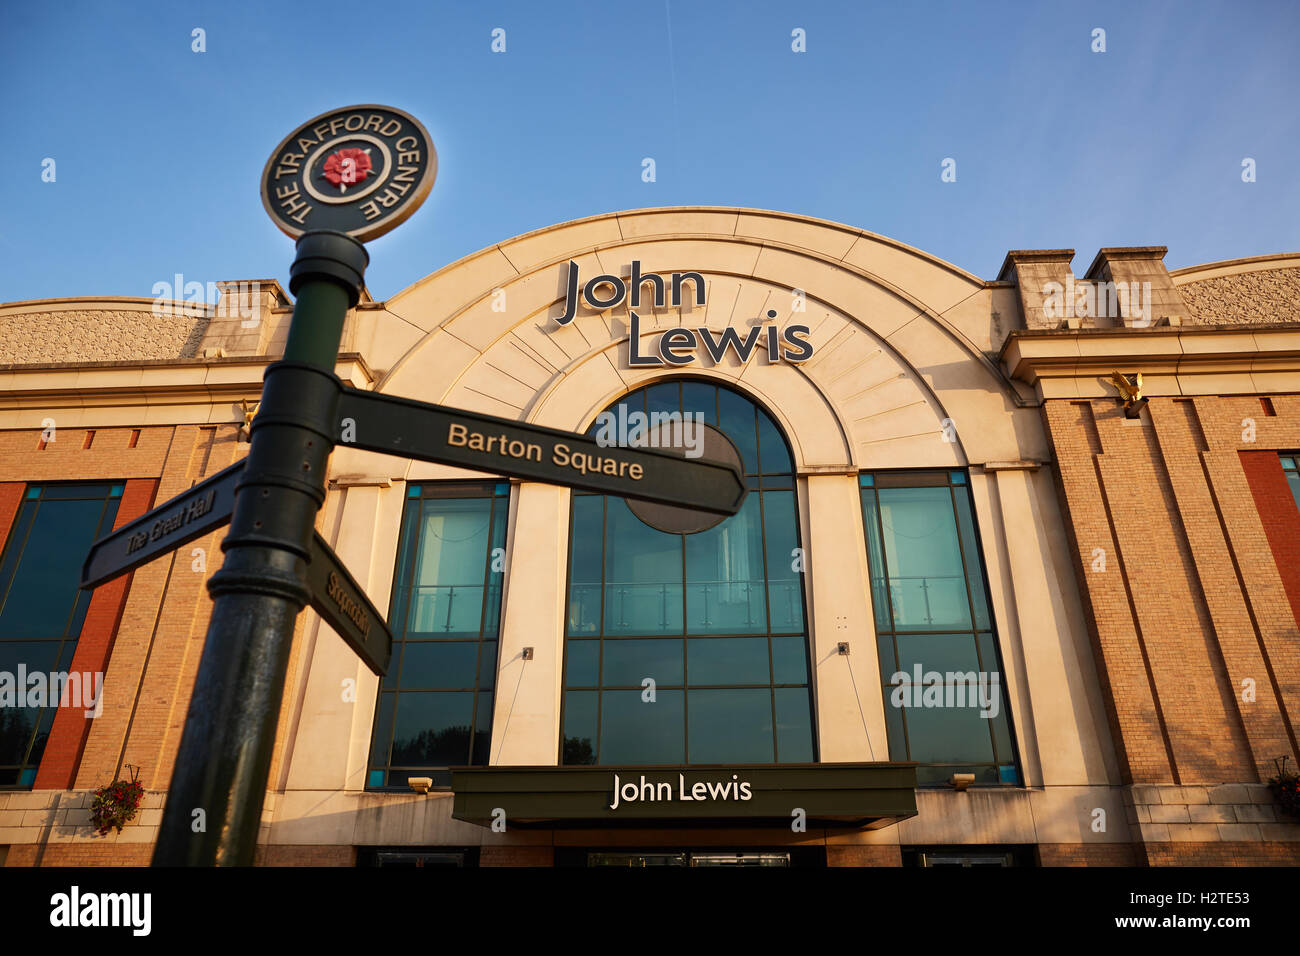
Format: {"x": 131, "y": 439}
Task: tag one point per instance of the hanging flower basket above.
{"x": 1286, "y": 788}
{"x": 116, "y": 804}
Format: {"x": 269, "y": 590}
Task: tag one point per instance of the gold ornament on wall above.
{"x": 1130, "y": 389}
{"x": 250, "y": 410}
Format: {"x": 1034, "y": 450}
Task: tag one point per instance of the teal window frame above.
{"x": 1291, "y": 469}
{"x": 39, "y": 646}
{"x": 426, "y": 647}
{"x": 900, "y": 638}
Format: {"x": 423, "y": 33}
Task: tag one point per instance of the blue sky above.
{"x": 159, "y": 149}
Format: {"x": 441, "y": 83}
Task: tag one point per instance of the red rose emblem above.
{"x": 347, "y": 167}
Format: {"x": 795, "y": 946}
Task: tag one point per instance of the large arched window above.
{"x": 714, "y": 619}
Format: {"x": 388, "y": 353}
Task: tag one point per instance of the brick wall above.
{"x": 1223, "y": 854}
{"x": 156, "y": 616}
{"x": 305, "y": 856}
{"x": 145, "y": 632}
{"x": 163, "y": 626}
{"x": 110, "y": 456}
{"x": 1091, "y": 854}
{"x": 11, "y": 499}
{"x": 864, "y": 855}
{"x": 517, "y": 856}
{"x": 80, "y": 854}
{"x": 1195, "y": 636}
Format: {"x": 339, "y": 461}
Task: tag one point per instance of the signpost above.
{"x": 342, "y": 178}
{"x": 400, "y": 426}
{"x": 192, "y": 514}
{"x": 359, "y": 171}
{"x": 341, "y": 603}
{"x": 335, "y": 596}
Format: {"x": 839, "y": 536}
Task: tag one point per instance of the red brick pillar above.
{"x": 11, "y": 498}
{"x": 1279, "y": 515}
{"x": 68, "y": 734}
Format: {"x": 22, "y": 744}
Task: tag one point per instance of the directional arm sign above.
{"x": 192, "y": 514}
{"x": 341, "y": 603}
{"x": 402, "y": 426}
{"x": 336, "y": 596}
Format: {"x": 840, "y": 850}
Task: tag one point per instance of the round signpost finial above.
{"x": 711, "y": 444}
{"x": 360, "y": 170}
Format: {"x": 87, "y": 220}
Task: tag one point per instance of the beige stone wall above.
{"x": 248, "y": 317}
{"x": 1227, "y": 813}
{"x": 98, "y": 335}
{"x": 906, "y": 375}
{"x": 903, "y": 343}
{"x": 1246, "y": 298}
{"x": 1256, "y": 291}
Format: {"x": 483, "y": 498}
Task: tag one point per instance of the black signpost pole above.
{"x": 214, "y": 802}
{"x": 275, "y": 562}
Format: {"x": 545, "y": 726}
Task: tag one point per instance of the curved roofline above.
{"x": 132, "y": 299}
{"x": 272, "y": 285}
{"x": 776, "y": 214}
{"x": 1291, "y": 259}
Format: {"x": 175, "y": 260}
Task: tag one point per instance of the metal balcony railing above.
{"x": 451, "y": 608}
{"x": 915, "y": 599}
{"x": 710, "y": 606}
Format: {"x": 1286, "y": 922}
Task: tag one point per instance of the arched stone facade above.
{"x": 904, "y": 375}
{"x": 916, "y": 365}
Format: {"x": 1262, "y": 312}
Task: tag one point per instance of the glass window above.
{"x": 715, "y": 619}
{"x": 42, "y": 608}
{"x": 945, "y": 703}
{"x": 1291, "y": 468}
{"x": 435, "y": 703}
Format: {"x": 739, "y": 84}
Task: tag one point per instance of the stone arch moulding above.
{"x": 900, "y": 336}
